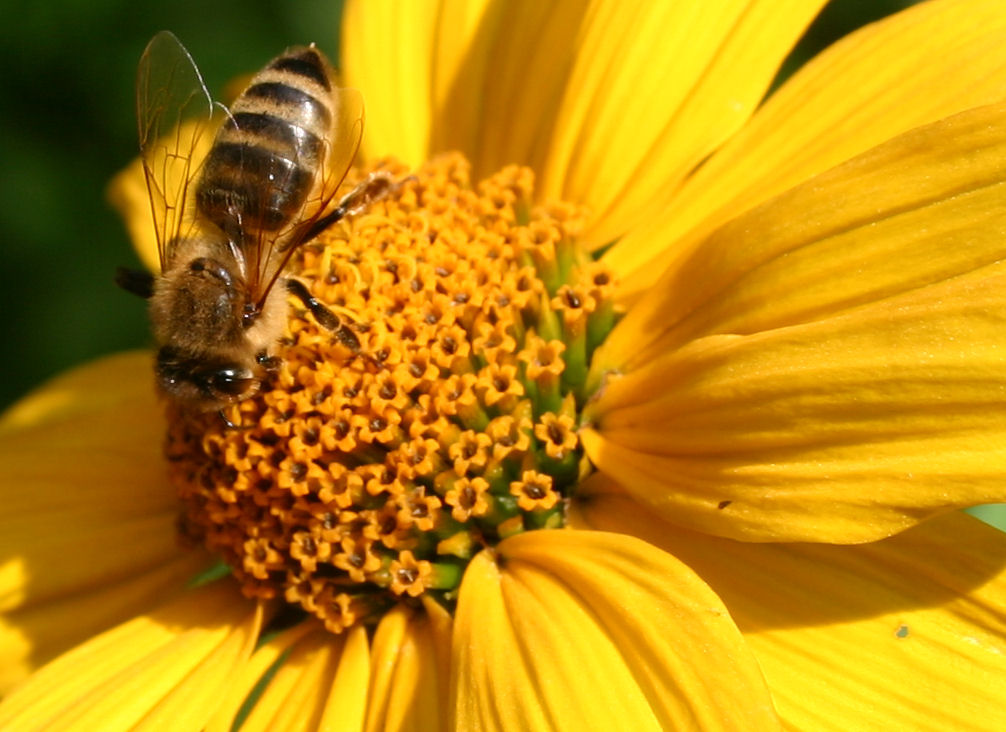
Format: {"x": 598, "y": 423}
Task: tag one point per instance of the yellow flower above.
{"x": 704, "y": 478}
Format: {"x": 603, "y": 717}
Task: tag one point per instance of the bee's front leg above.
{"x": 270, "y": 363}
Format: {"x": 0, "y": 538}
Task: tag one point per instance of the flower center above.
{"x": 358, "y": 480}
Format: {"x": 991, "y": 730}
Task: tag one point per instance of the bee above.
{"x": 228, "y": 220}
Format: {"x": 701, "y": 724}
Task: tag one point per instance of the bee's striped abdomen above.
{"x": 266, "y": 157}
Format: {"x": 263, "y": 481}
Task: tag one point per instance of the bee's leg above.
{"x": 230, "y": 425}
{"x": 137, "y": 281}
{"x": 372, "y": 189}
{"x": 323, "y": 315}
{"x": 270, "y": 363}
{"x": 376, "y": 186}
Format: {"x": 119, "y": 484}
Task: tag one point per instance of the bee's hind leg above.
{"x": 372, "y": 189}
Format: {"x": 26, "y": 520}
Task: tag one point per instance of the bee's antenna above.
{"x": 137, "y": 281}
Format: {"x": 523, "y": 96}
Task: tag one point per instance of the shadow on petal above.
{"x": 172, "y": 664}
{"x": 800, "y": 584}
{"x": 915, "y": 621}
{"x": 87, "y": 526}
{"x": 583, "y": 629}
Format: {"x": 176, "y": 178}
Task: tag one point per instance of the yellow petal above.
{"x": 294, "y": 699}
{"x": 346, "y": 705}
{"x": 41, "y": 566}
{"x": 84, "y": 480}
{"x": 528, "y": 69}
{"x": 653, "y": 89}
{"x": 383, "y": 657}
{"x": 83, "y": 472}
{"x": 924, "y": 207}
{"x": 588, "y": 630}
{"x": 251, "y": 672}
{"x": 931, "y": 61}
{"x": 387, "y": 48}
{"x": 32, "y": 635}
{"x": 165, "y": 670}
{"x": 906, "y": 633}
{"x": 407, "y": 683}
{"x": 843, "y": 430}
{"x": 464, "y": 36}
{"x": 320, "y": 682}
{"x": 442, "y": 630}
{"x": 105, "y": 385}
{"x": 922, "y": 221}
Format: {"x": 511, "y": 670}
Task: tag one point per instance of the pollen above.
{"x": 356, "y": 480}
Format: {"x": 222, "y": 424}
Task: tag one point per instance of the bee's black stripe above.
{"x": 290, "y": 140}
{"x": 251, "y": 160}
{"x": 266, "y": 157}
{"x": 306, "y": 64}
{"x": 311, "y": 111}
{"x": 251, "y": 186}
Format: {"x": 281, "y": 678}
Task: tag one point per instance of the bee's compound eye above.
{"x": 232, "y": 382}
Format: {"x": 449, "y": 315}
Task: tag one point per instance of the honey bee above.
{"x": 228, "y": 222}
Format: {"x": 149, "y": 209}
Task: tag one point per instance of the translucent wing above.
{"x": 173, "y": 112}
{"x": 343, "y": 146}
{"x": 340, "y": 152}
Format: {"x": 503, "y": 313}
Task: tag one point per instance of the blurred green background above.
{"x": 67, "y": 126}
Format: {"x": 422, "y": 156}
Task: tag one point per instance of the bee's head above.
{"x": 203, "y": 385}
